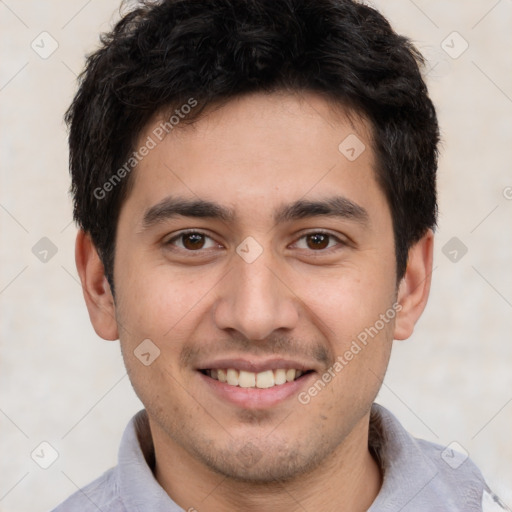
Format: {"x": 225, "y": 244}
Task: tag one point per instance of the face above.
{"x": 252, "y": 249}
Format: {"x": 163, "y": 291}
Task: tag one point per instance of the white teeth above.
{"x": 279, "y": 377}
{"x": 246, "y": 379}
{"x": 265, "y": 379}
{"x": 290, "y": 375}
{"x": 261, "y": 380}
{"x": 232, "y": 377}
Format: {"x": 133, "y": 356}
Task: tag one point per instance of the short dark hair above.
{"x": 164, "y": 54}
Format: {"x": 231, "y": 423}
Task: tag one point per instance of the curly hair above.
{"x": 162, "y": 54}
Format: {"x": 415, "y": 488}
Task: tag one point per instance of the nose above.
{"x": 255, "y": 299}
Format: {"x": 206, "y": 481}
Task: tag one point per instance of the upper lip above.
{"x": 256, "y": 366}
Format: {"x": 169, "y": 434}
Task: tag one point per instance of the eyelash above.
{"x": 199, "y": 251}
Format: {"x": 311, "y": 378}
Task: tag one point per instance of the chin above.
{"x": 254, "y": 465}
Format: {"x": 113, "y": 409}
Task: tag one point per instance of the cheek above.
{"x": 347, "y": 301}
{"x": 156, "y": 307}
{"x": 156, "y": 302}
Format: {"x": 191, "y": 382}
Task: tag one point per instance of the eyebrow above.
{"x": 336, "y": 206}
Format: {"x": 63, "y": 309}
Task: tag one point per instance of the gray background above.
{"x": 452, "y": 382}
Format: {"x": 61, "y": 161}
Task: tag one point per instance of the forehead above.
{"x": 258, "y": 151}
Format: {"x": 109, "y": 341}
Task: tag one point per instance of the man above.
{"x": 254, "y": 182}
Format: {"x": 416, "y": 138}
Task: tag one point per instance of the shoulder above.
{"x": 421, "y": 475}
{"x": 459, "y": 476}
{"x": 101, "y": 494}
{"x": 456, "y": 472}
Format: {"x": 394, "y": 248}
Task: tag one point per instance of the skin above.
{"x": 296, "y": 301}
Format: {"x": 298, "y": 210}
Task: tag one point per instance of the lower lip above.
{"x": 256, "y": 398}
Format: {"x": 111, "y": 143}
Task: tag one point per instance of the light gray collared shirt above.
{"x": 419, "y": 476}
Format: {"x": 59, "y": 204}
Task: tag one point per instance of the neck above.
{"x": 348, "y": 480}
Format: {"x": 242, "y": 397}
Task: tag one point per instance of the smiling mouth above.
{"x": 262, "y": 380}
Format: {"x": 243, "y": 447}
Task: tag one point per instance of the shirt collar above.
{"x": 406, "y": 471}
{"x": 139, "y": 490}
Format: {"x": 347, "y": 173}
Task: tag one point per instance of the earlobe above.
{"x": 415, "y": 286}
{"x": 95, "y": 286}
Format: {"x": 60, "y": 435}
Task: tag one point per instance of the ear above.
{"x": 415, "y": 286}
{"x": 97, "y": 293}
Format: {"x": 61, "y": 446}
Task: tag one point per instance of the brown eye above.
{"x": 320, "y": 242}
{"x": 193, "y": 241}
{"x": 317, "y": 241}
